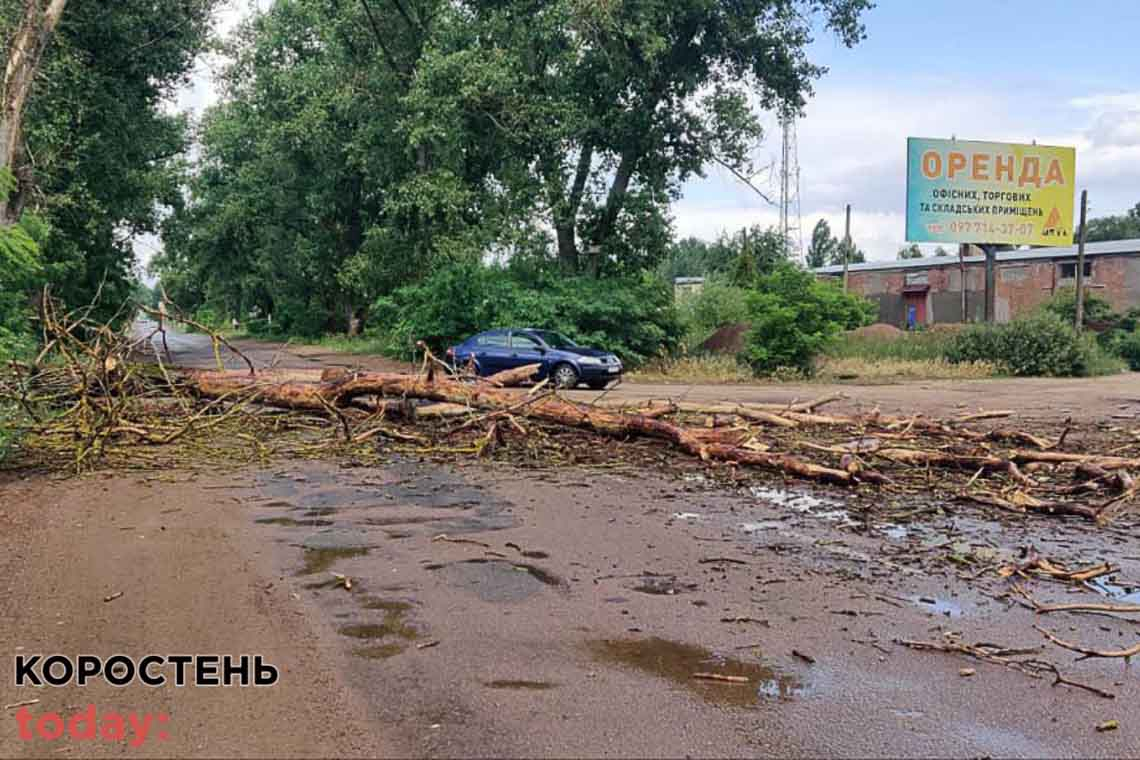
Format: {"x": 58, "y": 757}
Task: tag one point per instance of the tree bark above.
{"x": 24, "y": 55}
{"x": 340, "y": 393}
{"x": 566, "y": 211}
{"x": 615, "y": 200}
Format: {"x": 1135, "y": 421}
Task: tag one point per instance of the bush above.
{"x": 794, "y": 317}
{"x": 717, "y": 304}
{"x": 1063, "y": 304}
{"x": 1127, "y": 347}
{"x": 633, "y": 316}
{"x": 1040, "y": 345}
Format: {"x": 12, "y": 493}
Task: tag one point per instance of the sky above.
{"x": 1058, "y": 72}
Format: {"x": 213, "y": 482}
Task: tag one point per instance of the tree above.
{"x": 941, "y": 252}
{"x": 1122, "y": 227}
{"x": 609, "y": 107}
{"x": 27, "y": 38}
{"x": 823, "y": 245}
{"x": 855, "y": 253}
{"x": 911, "y": 251}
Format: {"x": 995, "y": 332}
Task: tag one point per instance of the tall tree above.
{"x": 911, "y": 251}
{"x": 608, "y": 107}
{"x": 26, "y": 36}
{"x": 822, "y": 248}
{"x": 1125, "y": 226}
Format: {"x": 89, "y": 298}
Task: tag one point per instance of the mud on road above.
{"x": 496, "y": 610}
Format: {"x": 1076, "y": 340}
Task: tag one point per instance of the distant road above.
{"x": 1117, "y": 396}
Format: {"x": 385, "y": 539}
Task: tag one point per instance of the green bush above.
{"x": 633, "y": 316}
{"x": 716, "y": 305}
{"x": 1043, "y": 344}
{"x": 1063, "y": 304}
{"x": 795, "y": 316}
{"x": 1127, "y": 347}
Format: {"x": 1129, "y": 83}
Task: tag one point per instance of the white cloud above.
{"x": 852, "y": 149}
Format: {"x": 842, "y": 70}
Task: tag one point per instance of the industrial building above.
{"x": 930, "y": 290}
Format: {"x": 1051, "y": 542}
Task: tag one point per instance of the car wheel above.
{"x": 565, "y": 376}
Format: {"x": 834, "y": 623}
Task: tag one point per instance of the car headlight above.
{"x": 590, "y": 360}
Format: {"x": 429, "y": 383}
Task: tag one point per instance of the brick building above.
{"x": 930, "y": 289}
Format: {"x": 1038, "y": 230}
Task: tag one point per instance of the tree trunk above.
{"x": 566, "y": 211}
{"x": 615, "y": 200}
{"x": 24, "y": 54}
{"x": 567, "y": 247}
{"x": 701, "y": 443}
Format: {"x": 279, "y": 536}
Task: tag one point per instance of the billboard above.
{"x": 963, "y": 191}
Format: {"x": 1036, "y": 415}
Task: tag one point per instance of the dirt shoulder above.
{"x": 192, "y": 579}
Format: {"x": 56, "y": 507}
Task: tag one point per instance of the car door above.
{"x": 526, "y": 349}
{"x": 492, "y": 352}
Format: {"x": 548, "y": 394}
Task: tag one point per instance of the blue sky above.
{"x": 1064, "y": 73}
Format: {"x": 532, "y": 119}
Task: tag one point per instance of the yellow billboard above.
{"x": 965, "y": 191}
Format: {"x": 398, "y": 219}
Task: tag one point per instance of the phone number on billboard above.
{"x": 989, "y": 228}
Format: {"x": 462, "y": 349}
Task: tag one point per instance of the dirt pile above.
{"x": 727, "y": 340}
{"x": 877, "y": 331}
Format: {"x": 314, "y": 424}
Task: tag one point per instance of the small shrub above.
{"x": 1127, "y": 347}
{"x": 1039, "y": 345}
{"x": 717, "y": 304}
{"x": 794, "y": 317}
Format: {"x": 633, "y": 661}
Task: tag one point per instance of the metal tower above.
{"x": 790, "y": 225}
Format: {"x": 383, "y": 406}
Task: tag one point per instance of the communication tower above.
{"x": 790, "y": 224}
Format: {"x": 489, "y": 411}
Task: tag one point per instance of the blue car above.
{"x": 565, "y": 362}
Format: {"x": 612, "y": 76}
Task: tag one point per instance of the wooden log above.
{"x": 511, "y": 377}
{"x": 318, "y": 396}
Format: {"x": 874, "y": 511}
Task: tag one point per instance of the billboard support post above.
{"x": 1080, "y": 320}
{"x": 991, "y": 255}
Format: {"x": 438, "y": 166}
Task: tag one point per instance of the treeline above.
{"x": 361, "y": 147}
{"x": 95, "y": 153}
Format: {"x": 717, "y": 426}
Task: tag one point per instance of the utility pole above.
{"x": 1080, "y": 320}
{"x": 846, "y": 247}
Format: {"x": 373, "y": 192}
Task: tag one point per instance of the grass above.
{"x": 713, "y": 369}
{"x": 888, "y": 370}
{"x": 360, "y": 344}
{"x": 920, "y": 345}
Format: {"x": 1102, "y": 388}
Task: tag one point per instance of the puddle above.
{"x": 289, "y": 522}
{"x": 497, "y": 580}
{"x": 756, "y": 527}
{"x": 663, "y": 585}
{"x": 318, "y": 560}
{"x": 1114, "y": 591}
{"x": 522, "y": 685}
{"x": 678, "y": 662}
{"x": 893, "y": 531}
{"x": 372, "y": 603}
{"x": 815, "y": 506}
{"x": 938, "y": 606}
{"x": 393, "y": 625}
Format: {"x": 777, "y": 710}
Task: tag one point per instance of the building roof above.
{"x": 1028, "y": 254}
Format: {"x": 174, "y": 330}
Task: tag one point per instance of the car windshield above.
{"x": 555, "y": 340}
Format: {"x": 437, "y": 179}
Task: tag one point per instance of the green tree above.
{"x": 608, "y": 107}
{"x": 823, "y": 245}
{"x": 106, "y": 151}
{"x": 1121, "y": 227}
{"x": 941, "y": 252}
{"x": 794, "y": 316}
{"x": 855, "y": 253}
{"x": 911, "y": 251}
